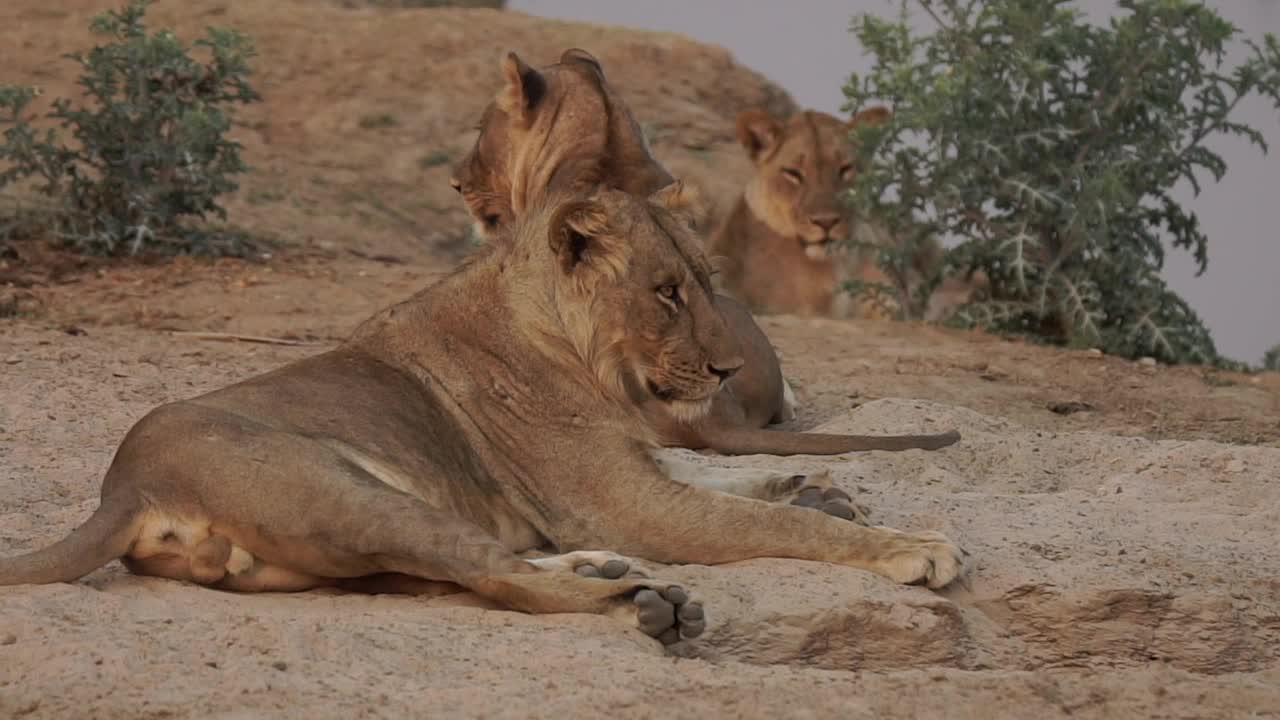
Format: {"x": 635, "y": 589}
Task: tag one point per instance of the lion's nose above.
{"x": 725, "y": 369}
{"x": 826, "y": 221}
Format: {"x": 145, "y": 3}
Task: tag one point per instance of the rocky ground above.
{"x": 1122, "y": 517}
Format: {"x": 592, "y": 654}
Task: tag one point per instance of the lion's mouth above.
{"x": 671, "y": 395}
{"x": 663, "y": 394}
{"x": 818, "y": 249}
{"x": 683, "y": 409}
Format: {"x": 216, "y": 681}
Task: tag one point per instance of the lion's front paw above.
{"x": 817, "y": 491}
{"x": 921, "y": 558}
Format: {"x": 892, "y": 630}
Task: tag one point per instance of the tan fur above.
{"x": 484, "y": 421}
{"x": 563, "y": 129}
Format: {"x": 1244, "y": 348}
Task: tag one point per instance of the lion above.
{"x": 492, "y": 413}
{"x": 783, "y": 240}
{"x": 783, "y": 243}
{"x": 563, "y": 128}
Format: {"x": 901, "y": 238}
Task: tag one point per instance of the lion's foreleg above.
{"x": 643, "y": 512}
{"x": 758, "y": 483}
{"x": 813, "y": 490}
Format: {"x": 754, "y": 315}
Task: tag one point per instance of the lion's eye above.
{"x": 846, "y": 172}
{"x": 491, "y": 220}
{"x": 793, "y": 175}
{"x": 670, "y": 293}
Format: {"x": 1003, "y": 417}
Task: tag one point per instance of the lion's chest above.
{"x": 782, "y": 279}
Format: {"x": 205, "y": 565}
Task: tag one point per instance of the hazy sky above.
{"x": 805, "y": 47}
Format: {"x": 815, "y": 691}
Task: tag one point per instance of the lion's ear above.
{"x": 871, "y": 117}
{"x": 684, "y": 201}
{"x": 576, "y": 234}
{"x": 525, "y": 87}
{"x": 578, "y": 55}
{"x": 759, "y": 132}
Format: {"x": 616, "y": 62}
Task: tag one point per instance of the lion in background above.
{"x": 784, "y": 247}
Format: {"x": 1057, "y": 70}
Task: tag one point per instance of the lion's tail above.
{"x": 105, "y": 536}
{"x": 750, "y": 441}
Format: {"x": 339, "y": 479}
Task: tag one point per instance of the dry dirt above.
{"x": 1126, "y": 562}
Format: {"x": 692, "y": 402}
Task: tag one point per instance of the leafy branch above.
{"x": 149, "y": 148}
{"x": 1045, "y": 150}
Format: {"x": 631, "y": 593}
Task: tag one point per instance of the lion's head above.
{"x": 559, "y": 129}
{"x": 631, "y": 291}
{"x": 802, "y": 165}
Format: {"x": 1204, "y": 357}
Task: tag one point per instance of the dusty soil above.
{"x": 1122, "y": 518}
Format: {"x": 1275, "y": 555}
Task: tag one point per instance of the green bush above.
{"x": 1271, "y": 361}
{"x": 150, "y": 143}
{"x": 1046, "y": 149}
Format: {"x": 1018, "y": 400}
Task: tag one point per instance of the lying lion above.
{"x": 490, "y": 414}
{"x": 564, "y": 129}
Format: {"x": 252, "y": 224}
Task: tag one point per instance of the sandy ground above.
{"x": 1122, "y": 517}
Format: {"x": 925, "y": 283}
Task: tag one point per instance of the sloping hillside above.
{"x": 366, "y": 110}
